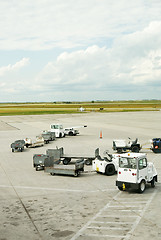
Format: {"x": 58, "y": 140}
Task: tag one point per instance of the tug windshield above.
{"x": 127, "y": 163}
{"x": 56, "y": 127}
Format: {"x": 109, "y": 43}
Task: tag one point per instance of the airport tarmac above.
{"x": 37, "y": 206}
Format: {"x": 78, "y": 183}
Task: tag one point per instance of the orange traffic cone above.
{"x": 100, "y": 134}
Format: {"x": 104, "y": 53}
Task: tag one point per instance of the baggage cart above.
{"x": 18, "y": 145}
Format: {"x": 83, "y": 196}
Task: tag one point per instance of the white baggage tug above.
{"x": 62, "y": 132}
{"x": 135, "y": 172}
{"x": 107, "y": 165}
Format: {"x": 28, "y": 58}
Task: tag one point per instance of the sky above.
{"x": 79, "y": 50}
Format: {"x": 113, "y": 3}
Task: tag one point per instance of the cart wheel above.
{"x": 66, "y": 161}
{"x": 119, "y": 150}
{"x": 52, "y": 174}
{"x": 120, "y": 188}
{"x": 88, "y": 161}
{"x": 76, "y": 174}
{"x": 12, "y": 150}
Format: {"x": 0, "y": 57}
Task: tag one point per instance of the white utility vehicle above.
{"x": 122, "y": 145}
{"x": 58, "y": 129}
{"x": 107, "y": 165}
{"x": 61, "y": 132}
{"x": 135, "y": 172}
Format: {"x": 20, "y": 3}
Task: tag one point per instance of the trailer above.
{"x": 39, "y": 159}
{"x": 38, "y": 142}
{"x": 18, "y": 145}
{"x": 122, "y": 145}
{"x": 73, "y": 169}
{"x": 57, "y": 154}
{"x": 71, "y": 131}
{"x": 66, "y": 158}
{"x": 48, "y": 136}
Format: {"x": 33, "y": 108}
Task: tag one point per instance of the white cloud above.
{"x": 15, "y": 67}
{"x": 79, "y": 68}
{"x": 101, "y": 49}
{"x": 102, "y": 68}
{"x": 44, "y": 24}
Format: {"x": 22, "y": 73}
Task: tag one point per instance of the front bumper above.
{"x": 127, "y": 185}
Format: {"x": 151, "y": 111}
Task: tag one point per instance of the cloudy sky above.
{"x": 77, "y": 50}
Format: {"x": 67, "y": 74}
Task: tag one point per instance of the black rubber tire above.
{"x": 70, "y": 133}
{"x": 76, "y": 174}
{"x": 120, "y": 188}
{"x": 66, "y": 161}
{"x": 142, "y": 186}
{"x": 52, "y": 174}
{"x": 110, "y": 170}
{"x": 119, "y": 150}
{"x": 12, "y": 149}
{"x": 88, "y": 162}
{"x": 135, "y": 149}
{"x": 153, "y": 183}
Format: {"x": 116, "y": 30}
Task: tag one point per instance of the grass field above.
{"x": 73, "y": 107}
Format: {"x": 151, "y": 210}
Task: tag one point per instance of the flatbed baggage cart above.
{"x": 66, "y": 158}
{"x": 18, "y": 145}
{"x": 48, "y": 136}
{"x": 38, "y": 142}
{"x": 72, "y": 169}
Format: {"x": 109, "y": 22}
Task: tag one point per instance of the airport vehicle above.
{"x": 156, "y": 145}
{"x": 58, "y": 130}
{"x": 62, "y": 132}
{"x": 73, "y": 168}
{"x": 48, "y": 136}
{"x": 38, "y": 159}
{"x": 71, "y": 131}
{"x": 107, "y": 165}
{"x": 57, "y": 154}
{"x": 39, "y": 141}
{"x": 135, "y": 172}
{"x": 122, "y": 145}
{"x": 18, "y": 145}
{"x": 66, "y": 158}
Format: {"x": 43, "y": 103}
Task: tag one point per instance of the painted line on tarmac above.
{"x": 140, "y": 216}
{"x": 79, "y": 233}
{"x": 134, "y": 220}
{"x": 56, "y": 189}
